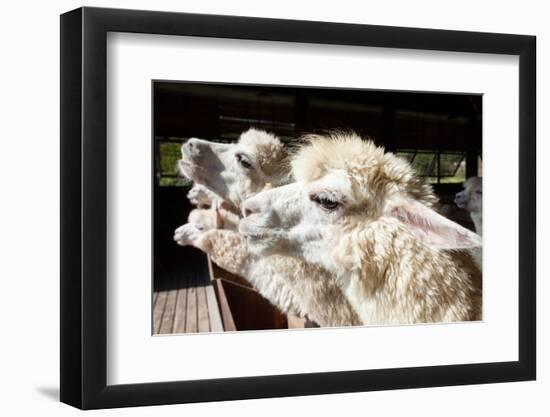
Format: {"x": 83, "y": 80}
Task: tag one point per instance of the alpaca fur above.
{"x": 402, "y": 280}
{"x": 201, "y": 196}
{"x": 214, "y": 218}
{"x": 235, "y": 171}
{"x": 212, "y": 211}
{"x": 290, "y": 284}
{"x": 229, "y": 250}
{"x": 366, "y": 217}
{"x": 269, "y": 153}
{"x": 471, "y": 199}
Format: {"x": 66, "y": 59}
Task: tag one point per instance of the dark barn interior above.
{"x": 440, "y": 134}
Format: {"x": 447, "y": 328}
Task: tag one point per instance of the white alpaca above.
{"x": 201, "y": 196}
{"x": 213, "y": 218}
{"x": 236, "y": 172}
{"x": 212, "y": 212}
{"x": 365, "y": 216}
{"x": 471, "y": 199}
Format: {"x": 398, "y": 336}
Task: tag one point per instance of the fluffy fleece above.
{"x": 374, "y": 174}
{"x": 292, "y": 285}
{"x": 201, "y": 196}
{"x": 213, "y": 218}
{"x": 396, "y": 260}
{"x": 269, "y": 152}
{"x": 288, "y": 283}
{"x": 397, "y": 279}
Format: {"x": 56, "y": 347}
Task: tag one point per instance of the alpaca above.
{"x": 236, "y": 172}
{"x": 201, "y": 196}
{"x": 213, "y": 218}
{"x": 365, "y": 216}
{"x": 471, "y": 199}
{"x": 212, "y": 212}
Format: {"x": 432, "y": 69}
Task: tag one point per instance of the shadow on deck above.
{"x": 198, "y": 297}
{"x": 184, "y": 300}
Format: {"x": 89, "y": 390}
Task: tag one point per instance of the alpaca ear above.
{"x": 431, "y": 227}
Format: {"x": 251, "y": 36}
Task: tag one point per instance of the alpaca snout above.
{"x": 193, "y": 148}
{"x": 459, "y": 199}
{"x": 192, "y": 194}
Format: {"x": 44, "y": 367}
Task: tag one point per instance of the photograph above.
{"x": 317, "y": 204}
{"x": 299, "y": 207}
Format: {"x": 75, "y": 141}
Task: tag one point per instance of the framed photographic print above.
{"x": 258, "y": 208}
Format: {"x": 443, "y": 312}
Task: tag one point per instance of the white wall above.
{"x": 29, "y": 206}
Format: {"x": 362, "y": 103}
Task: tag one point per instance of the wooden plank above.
{"x": 213, "y": 310}
{"x": 248, "y": 309}
{"x": 228, "y": 276}
{"x": 167, "y": 322}
{"x": 181, "y": 307}
{"x": 210, "y": 268}
{"x": 191, "y": 325}
{"x": 225, "y": 311}
{"x": 203, "y": 322}
{"x": 158, "y": 310}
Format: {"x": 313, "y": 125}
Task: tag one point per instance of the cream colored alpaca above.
{"x": 201, "y": 196}
{"x": 235, "y": 171}
{"x": 213, "y": 218}
{"x": 471, "y": 199}
{"x": 365, "y": 216}
{"x": 212, "y": 211}
{"x": 239, "y": 171}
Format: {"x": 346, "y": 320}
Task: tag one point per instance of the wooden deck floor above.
{"x": 196, "y": 296}
{"x": 186, "y": 304}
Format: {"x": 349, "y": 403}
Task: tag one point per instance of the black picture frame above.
{"x": 83, "y": 207}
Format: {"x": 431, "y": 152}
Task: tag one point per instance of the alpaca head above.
{"x": 343, "y": 187}
{"x": 235, "y": 171}
{"x": 471, "y": 197}
{"x": 203, "y": 219}
{"x": 201, "y": 196}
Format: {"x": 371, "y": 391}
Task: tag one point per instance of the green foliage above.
{"x": 167, "y": 165}
{"x": 169, "y": 156}
{"x": 452, "y": 168}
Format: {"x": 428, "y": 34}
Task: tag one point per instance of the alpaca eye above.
{"x": 243, "y": 161}
{"x": 478, "y": 192}
{"x": 325, "y": 202}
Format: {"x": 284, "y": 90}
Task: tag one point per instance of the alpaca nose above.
{"x": 193, "y": 146}
{"x": 251, "y": 207}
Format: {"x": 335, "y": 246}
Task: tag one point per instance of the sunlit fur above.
{"x": 396, "y": 260}
{"x": 306, "y": 290}
{"x": 201, "y": 196}
{"x": 270, "y": 154}
{"x": 374, "y": 175}
{"x": 213, "y": 218}
{"x": 216, "y": 166}
{"x": 290, "y": 284}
